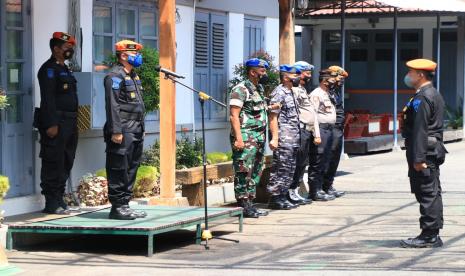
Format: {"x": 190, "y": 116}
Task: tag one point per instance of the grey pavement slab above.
{"x": 357, "y": 234}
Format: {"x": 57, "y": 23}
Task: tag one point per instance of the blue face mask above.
{"x": 408, "y": 81}
{"x": 135, "y": 60}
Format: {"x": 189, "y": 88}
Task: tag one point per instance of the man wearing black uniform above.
{"x": 124, "y": 129}
{"x": 423, "y": 133}
{"x": 57, "y": 123}
{"x": 337, "y": 133}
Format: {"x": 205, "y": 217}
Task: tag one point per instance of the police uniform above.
{"x": 284, "y": 157}
{"x": 319, "y": 159}
{"x": 248, "y": 162}
{"x": 337, "y": 135}
{"x": 125, "y": 114}
{"x": 58, "y": 107}
{"x": 423, "y": 133}
{"x": 309, "y": 129}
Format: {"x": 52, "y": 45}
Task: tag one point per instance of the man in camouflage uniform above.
{"x": 285, "y": 134}
{"x": 248, "y": 134}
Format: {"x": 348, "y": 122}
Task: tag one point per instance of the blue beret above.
{"x": 286, "y": 68}
{"x": 304, "y": 66}
{"x": 255, "y": 62}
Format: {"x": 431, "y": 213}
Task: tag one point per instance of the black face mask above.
{"x": 308, "y": 80}
{"x": 263, "y": 79}
{"x": 296, "y": 82}
{"x": 68, "y": 54}
{"x": 308, "y": 87}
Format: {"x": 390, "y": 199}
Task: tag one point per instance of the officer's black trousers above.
{"x": 427, "y": 189}
{"x": 319, "y": 160}
{"x": 57, "y": 157}
{"x": 336, "y": 150}
{"x": 303, "y": 154}
{"x": 122, "y": 163}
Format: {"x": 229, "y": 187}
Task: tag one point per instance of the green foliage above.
{"x": 188, "y": 152}
{"x": 146, "y": 180}
{"x": 455, "y": 117}
{"x": 240, "y": 72}
{"x": 151, "y": 156}
{"x": 217, "y": 157}
{"x": 149, "y": 77}
{"x": 4, "y": 186}
{"x": 3, "y": 102}
{"x": 101, "y": 173}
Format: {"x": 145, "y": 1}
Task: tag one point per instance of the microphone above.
{"x": 168, "y": 72}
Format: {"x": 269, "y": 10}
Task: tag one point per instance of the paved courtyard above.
{"x": 355, "y": 235}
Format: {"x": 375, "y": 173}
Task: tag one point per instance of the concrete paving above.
{"x": 355, "y": 235}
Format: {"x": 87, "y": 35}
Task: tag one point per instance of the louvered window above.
{"x": 218, "y": 45}
{"x": 210, "y": 55}
{"x": 201, "y": 44}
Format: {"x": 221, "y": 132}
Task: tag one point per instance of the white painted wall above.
{"x": 272, "y": 37}
{"x": 235, "y": 41}
{"x": 86, "y": 14}
{"x": 184, "y": 65}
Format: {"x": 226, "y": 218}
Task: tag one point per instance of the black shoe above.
{"x": 422, "y": 242}
{"x": 288, "y": 203}
{"x": 121, "y": 213}
{"x": 294, "y": 198}
{"x": 52, "y": 206}
{"x": 137, "y": 213}
{"x": 259, "y": 212}
{"x": 276, "y": 203}
{"x": 321, "y": 196}
{"x": 248, "y": 211}
{"x": 332, "y": 191}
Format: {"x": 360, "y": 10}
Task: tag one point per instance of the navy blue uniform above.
{"x": 58, "y": 107}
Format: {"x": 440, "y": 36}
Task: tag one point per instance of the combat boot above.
{"x": 248, "y": 211}
{"x": 427, "y": 239}
{"x": 137, "y": 213}
{"x": 276, "y": 203}
{"x": 332, "y": 191}
{"x": 321, "y": 196}
{"x": 52, "y": 206}
{"x": 287, "y": 202}
{"x": 260, "y": 212}
{"x": 294, "y": 197}
{"x": 121, "y": 213}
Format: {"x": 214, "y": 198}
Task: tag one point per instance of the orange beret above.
{"x": 339, "y": 70}
{"x": 127, "y": 45}
{"x": 65, "y": 37}
{"x": 422, "y": 64}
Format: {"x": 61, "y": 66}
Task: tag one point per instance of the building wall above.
{"x": 90, "y": 154}
{"x": 372, "y": 101}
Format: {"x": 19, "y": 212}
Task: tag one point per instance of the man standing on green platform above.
{"x": 248, "y": 118}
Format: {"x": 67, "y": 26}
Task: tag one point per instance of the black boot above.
{"x": 259, "y": 212}
{"x": 321, "y": 196}
{"x": 294, "y": 197}
{"x": 332, "y": 191}
{"x": 287, "y": 202}
{"x": 53, "y": 206}
{"x": 121, "y": 213}
{"x": 137, "y": 213}
{"x": 427, "y": 239}
{"x": 276, "y": 203}
{"x": 248, "y": 211}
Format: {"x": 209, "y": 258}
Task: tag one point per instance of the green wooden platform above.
{"x": 160, "y": 219}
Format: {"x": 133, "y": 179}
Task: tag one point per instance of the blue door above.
{"x": 16, "y": 79}
{"x": 254, "y": 37}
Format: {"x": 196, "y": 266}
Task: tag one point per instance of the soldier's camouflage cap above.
{"x": 304, "y": 66}
{"x": 127, "y": 45}
{"x": 65, "y": 37}
{"x": 286, "y": 68}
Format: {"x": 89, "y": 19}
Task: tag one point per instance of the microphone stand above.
{"x": 206, "y": 233}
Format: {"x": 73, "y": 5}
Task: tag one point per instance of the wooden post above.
{"x": 286, "y": 32}
{"x": 167, "y": 107}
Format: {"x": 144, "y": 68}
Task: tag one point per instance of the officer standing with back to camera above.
{"x": 320, "y": 157}
{"x": 248, "y": 118}
{"x": 57, "y": 122}
{"x": 124, "y": 129}
{"x": 285, "y": 137}
{"x": 337, "y": 132}
{"x": 423, "y": 133}
{"x": 309, "y": 131}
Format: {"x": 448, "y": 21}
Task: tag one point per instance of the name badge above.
{"x": 133, "y": 95}
{"x": 65, "y": 86}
